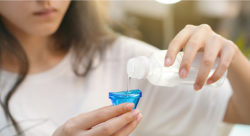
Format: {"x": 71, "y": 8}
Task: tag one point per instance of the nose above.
{"x": 44, "y": 2}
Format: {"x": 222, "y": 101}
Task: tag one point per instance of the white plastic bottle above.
{"x": 153, "y": 69}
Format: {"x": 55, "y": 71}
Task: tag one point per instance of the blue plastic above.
{"x": 131, "y": 96}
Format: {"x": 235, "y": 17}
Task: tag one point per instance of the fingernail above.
{"x": 168, "y": 61}
{"x": 183, "y": 72}
{"x": 135, "y": 112}
{"x": 130, "y": 105}
{"x": 209, "y": 81}
{"x": 139, "y": 117}
{"x": 197, "y": 87}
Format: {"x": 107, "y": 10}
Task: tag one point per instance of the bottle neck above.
{"x": 138, "y": 67}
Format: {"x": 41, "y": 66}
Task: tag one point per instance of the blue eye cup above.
{"x": 131, "y": 96}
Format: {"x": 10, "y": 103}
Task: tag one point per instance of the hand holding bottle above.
{"x": 201, "y": 38}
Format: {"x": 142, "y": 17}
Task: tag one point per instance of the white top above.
{"x": 46, "y": 100}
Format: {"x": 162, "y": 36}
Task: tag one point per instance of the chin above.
{"x": 43, "y": 30}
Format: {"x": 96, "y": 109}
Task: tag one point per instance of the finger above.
{"x": 212, "y": 49}
{"x": 101, "y": 115}
{"x": 129, "y": 128}
{"x": 196, "y": 41}
{"x": 111, "y": 126}
{"x": 177, "y": 43}
{"x": 225, "y": 60}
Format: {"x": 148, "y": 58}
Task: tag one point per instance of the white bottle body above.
{"x": 154, "y": 70}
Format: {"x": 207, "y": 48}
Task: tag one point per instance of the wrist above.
{"x": 235, "y": 59}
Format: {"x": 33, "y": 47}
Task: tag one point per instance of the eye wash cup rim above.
{"x": 126, "y": 94}
{"x": 131, "y": 96}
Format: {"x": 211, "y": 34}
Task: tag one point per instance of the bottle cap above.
{"x": 138, "y": 67}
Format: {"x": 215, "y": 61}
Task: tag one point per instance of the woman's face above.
{"x": 38, "y": 17}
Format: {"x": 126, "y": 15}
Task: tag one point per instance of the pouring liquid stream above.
{"x": 128, "y": 85}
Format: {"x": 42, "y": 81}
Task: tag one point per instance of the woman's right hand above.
{"x": 118, "y": 120}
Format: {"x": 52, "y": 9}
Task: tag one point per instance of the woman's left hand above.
{"x": 201, "y": 38}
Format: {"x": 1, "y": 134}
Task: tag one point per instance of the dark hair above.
{"x": 83, "y": 29}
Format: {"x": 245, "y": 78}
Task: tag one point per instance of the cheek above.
{"x": 12, "y": 11}
{"x": 62, "y": 5}
{"x": 21, "y": 18}
{"x": 13, "y": 14}
{"x": 16, "y": 15}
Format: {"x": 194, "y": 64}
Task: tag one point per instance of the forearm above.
{"x": 239, "y": 77}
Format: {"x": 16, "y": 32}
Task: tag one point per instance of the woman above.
{"x": 59, "y": 60}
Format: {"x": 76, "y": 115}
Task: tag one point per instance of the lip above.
{"x": 45, "y": 12}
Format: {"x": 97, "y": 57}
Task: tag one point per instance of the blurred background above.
{"x": 158, "y": 21}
